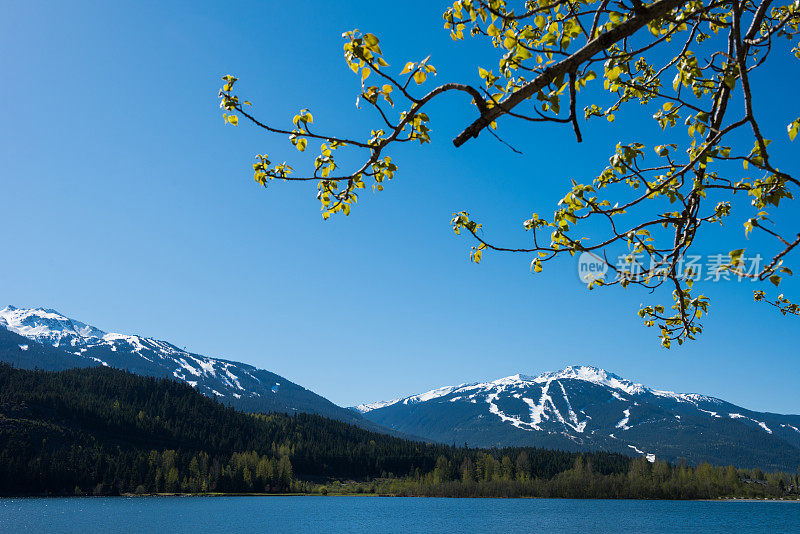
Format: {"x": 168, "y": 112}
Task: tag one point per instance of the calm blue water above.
{"x": 377, "y": 514}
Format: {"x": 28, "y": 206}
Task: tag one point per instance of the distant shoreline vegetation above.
{"x": 101, "y": 431}
{"x": 789, "y": 499}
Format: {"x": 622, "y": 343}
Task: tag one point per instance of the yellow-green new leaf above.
{"x": 793, "y": 128}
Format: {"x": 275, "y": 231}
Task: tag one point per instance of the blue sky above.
{"x": 128, "y": 204}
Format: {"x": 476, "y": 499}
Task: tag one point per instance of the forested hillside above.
{"x": 105, "y": 431}
{"x": 39, "y": 338}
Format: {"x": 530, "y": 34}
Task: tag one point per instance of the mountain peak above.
{"x": 39, "y": 311}
{"x": 595, "y": 375}
{"x": 46, "y": 324}
{"x": 586, "y": 373}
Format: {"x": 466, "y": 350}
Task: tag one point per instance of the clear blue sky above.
{"x": 127, "y": 203}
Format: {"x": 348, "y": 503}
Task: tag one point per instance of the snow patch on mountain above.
{"x": 430, "y": 395}
{"x": 506, "y": 418}
{"x": 650, "y": 457}
{"x": 364, "y": 408}
{"x": 623, "y": 424}
{"x": 578, "y": 426}
{"x": 762, "y": 424}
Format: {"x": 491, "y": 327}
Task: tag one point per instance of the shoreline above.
{"x": 213, "y": 494}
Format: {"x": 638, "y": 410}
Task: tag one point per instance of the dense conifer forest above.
{"x": 101, "y": 431}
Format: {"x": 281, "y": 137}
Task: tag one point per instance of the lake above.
{"x": 382, "y": 514}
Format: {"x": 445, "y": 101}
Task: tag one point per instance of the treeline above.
{"x": 641, "y": 480}
{"x": 106, "y": 432}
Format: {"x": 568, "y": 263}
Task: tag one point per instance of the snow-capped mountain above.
{"x": 586, "y": 408}
{"x": 44, "y": 338}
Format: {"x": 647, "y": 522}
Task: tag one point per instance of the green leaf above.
{"x": 371, "y": 40}
{"x": 736, "y": 256}
{"x": 614, "y": 73}
{"x": 793, "y": 128}
{"x": 775, "y": 279}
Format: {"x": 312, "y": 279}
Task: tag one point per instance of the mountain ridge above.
{"x": 578, "y": 371}
{"x": 578, "y": 408}
{"x": 588, "y": 408}
{"x": 54, "y": 341}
